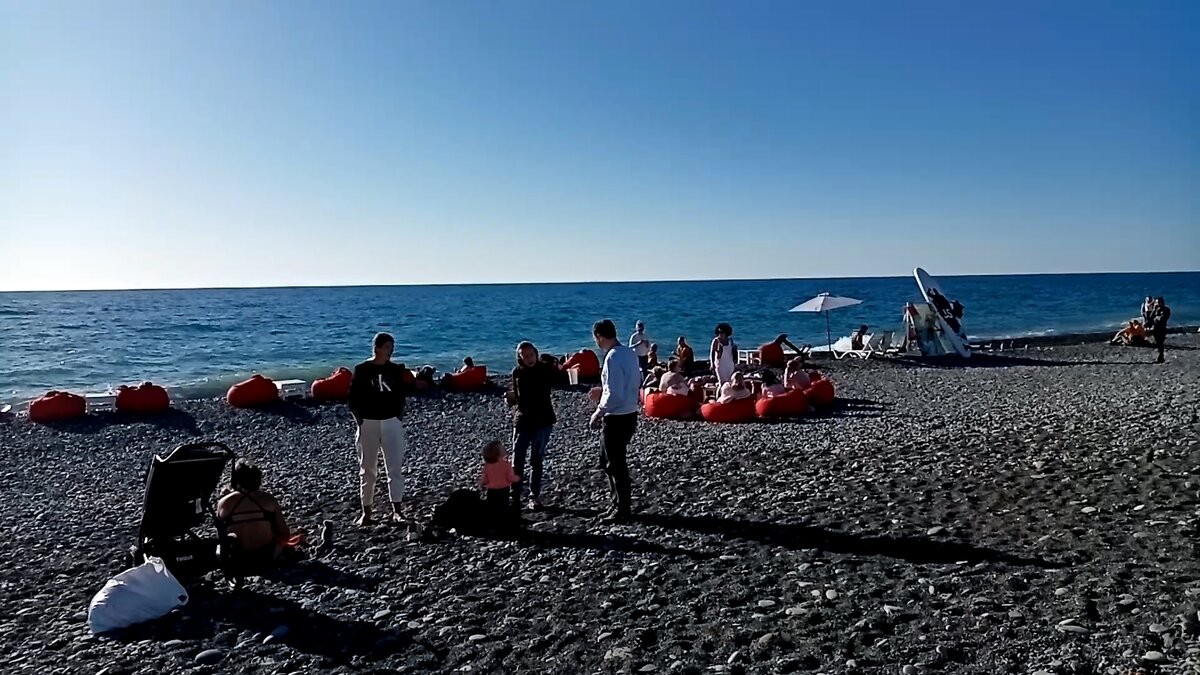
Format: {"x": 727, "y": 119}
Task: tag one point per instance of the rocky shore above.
{"x": 1026, "y": 512}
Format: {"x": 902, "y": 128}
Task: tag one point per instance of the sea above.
{"x": 198, "y": 342}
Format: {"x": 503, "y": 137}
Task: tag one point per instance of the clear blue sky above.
{"x": 178, "y": 144}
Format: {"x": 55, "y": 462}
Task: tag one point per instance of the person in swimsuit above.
{"x": 794, "y": 376}
{"x": 253, "y": 517}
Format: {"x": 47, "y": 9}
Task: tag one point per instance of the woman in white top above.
{"x": 734, "y": 389}
{"x": 722, "y": 354}
{"x": 794, "y": 376}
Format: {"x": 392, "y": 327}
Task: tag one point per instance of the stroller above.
{"x": 179, "y": 501}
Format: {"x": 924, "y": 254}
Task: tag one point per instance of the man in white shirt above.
{"x": 639, "y": 342}
{"x": 617, "y": 415}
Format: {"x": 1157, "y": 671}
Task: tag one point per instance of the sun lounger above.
{"x": 870, "y": 346}
{"x": 883, "y": 345}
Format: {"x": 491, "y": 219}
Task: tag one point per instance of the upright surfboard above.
{"x": 942, "y": 305}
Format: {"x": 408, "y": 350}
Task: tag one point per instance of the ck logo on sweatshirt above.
{"x": 383, "y": 386}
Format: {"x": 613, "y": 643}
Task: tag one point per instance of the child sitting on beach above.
{"x": 771, "y": 386}
{"x": 498, "y": 478}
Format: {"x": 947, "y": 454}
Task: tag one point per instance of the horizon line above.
{"x": 577, "y": 282}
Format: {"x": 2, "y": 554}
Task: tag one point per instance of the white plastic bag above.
{"x": 142, "y": 593}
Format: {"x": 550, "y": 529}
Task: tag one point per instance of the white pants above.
{"x": 373, "y": 436}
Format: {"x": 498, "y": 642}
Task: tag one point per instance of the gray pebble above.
{"x": 210, "y": 657}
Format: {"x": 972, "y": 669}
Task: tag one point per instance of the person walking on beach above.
{"x": 722, "y": 355}
{"x": 1158, "y": 325}
{"x": 616, "y": 415}
{"x": 640, "y": 344}
{"x": 377, "y": 404}
{"x": 532, "y": 383}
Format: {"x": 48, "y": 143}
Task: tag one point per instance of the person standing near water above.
{"x": 377, "y": 403}
{"x": 1158, "y": 325}
{"x": 532, "y": 383}
{"x": 722, "y": 355}
{"x": 616, "y": 415}
{"x": 640, "y": 344}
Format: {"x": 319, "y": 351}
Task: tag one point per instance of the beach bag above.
{"x": 140, "y": 594}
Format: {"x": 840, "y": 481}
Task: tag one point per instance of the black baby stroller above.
{"x": 179, "y": 502}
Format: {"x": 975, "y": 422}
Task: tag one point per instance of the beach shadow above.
{"x": 601, "y": 542}
{"x": 313, "y": 571}
{"x": 173, "y": 420}
{"x": 209, "y": 611}
{"x": 918, "y": 550}
{"x": 290, "y": 410}
{"x": 997, "y": 361}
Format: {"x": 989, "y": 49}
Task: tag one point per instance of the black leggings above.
{"x": 614, "y": 445}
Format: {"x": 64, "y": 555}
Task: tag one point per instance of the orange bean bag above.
{"x": 57, "y": 406}
{"x": 734, "y": 412}
{"x": 146, "y": 399}
{"x": 771, "y": 355}
{"x": 662, "y": 405}
{"x": 409, "y": 378}
{"x": 820, "y": 393}
{"x": 252, "y": 393}
{"x": 587, "y": 362}
{"x": 793, "y": 403}
{"x": 471, "y": 379}
{"x": 336, "y": 387}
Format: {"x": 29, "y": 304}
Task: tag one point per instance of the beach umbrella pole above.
{"x": 828, "y": 335}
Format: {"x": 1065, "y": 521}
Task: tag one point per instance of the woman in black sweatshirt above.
{"x": 532, "y": 383}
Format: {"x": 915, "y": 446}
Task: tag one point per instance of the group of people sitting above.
{"x": 1152, "y": 323}
{"x": 672, "y": 379}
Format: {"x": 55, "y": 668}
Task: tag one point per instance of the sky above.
{"x": 213, "y": 144}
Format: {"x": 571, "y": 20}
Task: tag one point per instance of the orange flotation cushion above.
{"x": 820, "y": 393}
{"x": 792, "y": 403}
{"x": 471, "y": 379}
{"x": 741, "y": 410}
{"x": 771, "y": 355}
{"x": 57, "y": 406}
{"x": 252, "y": 393}
{"x": 336, "y": 387}
{"x": 146, "y": 399}
{"x": 666, "y": 406}
{"x": 586, "y": 361}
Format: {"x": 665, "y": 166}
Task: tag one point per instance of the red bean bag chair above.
{"x": 771, "y": 355}
{"x": 336, "y": 387}
{"x": 410, "y": 378}
{"x": 587, "y": 362}
{"x": 820, "y": 393}
{"x": 146, "y": 399}
{"x": 252, "y": 393}
{"x": 793, "y": 403}
{"x": 57, "y": 406}
{"x": 662, "y": 405}
{"x": 471, "y": 379}
{"x": 741, "y": 410}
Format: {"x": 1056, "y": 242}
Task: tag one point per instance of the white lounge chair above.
{"x": 870, "y": 343}
{"x": 884, "y": 345}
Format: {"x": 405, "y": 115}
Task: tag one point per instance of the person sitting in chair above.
{"x": 771, "y": 386}
{"x": 253, "y": 517}
{"x": 734, "y": 389}
{"x": 859, "y": 338}
{"x": 795, "y": 376}
{"x": 673, "y": 381}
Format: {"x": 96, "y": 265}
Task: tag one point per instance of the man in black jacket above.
{"x": 532, "y": 383}
{"x": 377, "y": 403}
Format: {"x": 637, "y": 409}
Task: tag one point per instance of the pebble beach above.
{"x": 1033, "y": 511}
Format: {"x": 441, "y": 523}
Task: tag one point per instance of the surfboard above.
{"x": 936, "y": 297}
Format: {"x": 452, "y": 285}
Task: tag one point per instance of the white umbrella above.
{"x": 823, "y": 303}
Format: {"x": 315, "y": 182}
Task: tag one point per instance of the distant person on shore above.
{"x": 736, "y": 388}
{"x": 771, "y": 386}
{"x": 640, "y": 343}
{"x": 617, "y": 415}
{"x": 533, "y": 380}
{"x": 858, "y": 337}
{"x": 467, "y": 364}
{"x": 377, "y": 400}
{"x": 673, "y": 381}
{"x": 795, "y": 376}
{"x": 499, "y": 480}
{"x": 1158, "y": 325}
{"x": 1147, "y": 311}
{"x": 1133, "y": 334}
{"x": 253, "y": 518}
{"x": 652, "y": 358}
{"x": 685, "y": 355}
{"x": 722, "y": 354}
